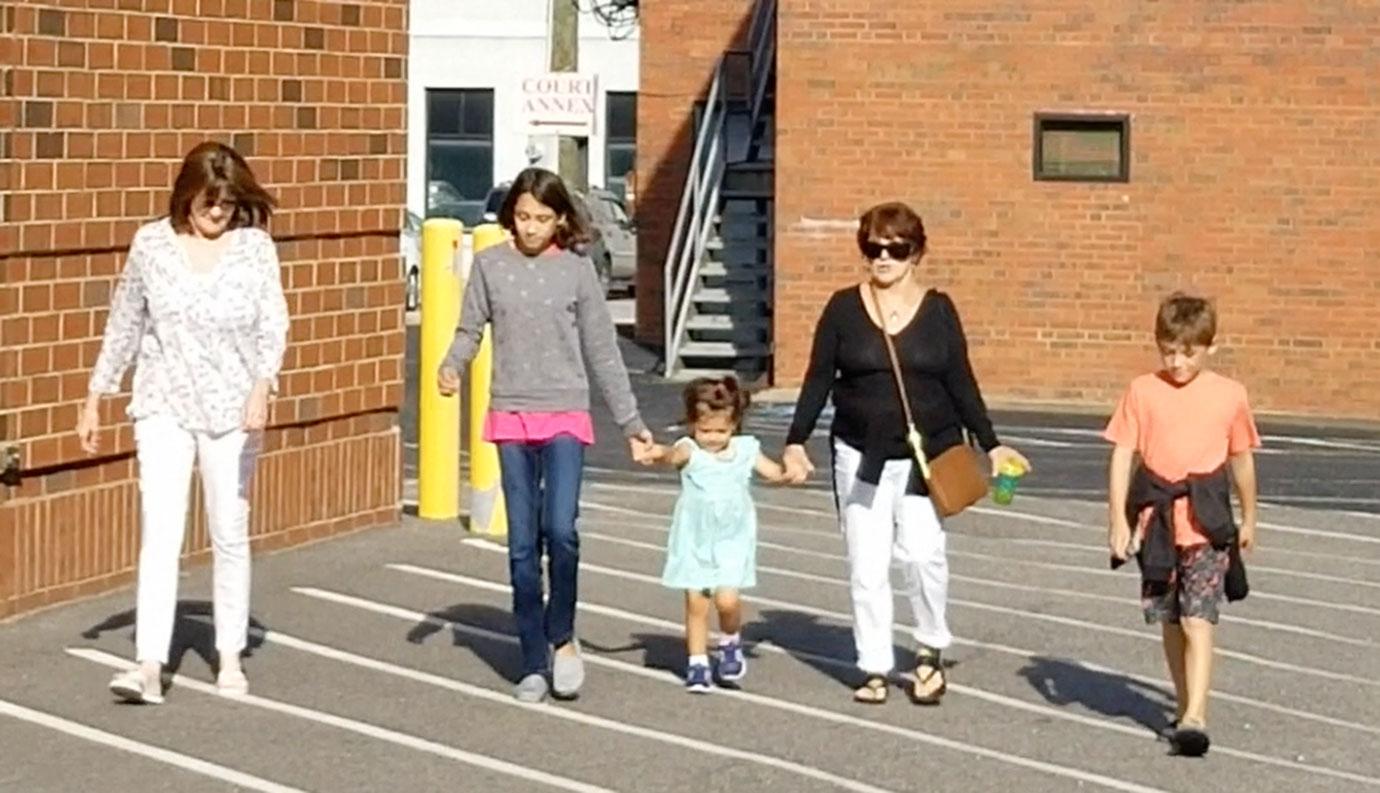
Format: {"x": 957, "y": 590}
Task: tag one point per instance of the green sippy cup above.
{"x": 1008, "y": 475}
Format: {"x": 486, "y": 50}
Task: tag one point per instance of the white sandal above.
{"x": 232, "y": 684}
{"x": 132, "y": 686}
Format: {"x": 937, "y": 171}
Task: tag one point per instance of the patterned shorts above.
{"x": 1196, "y": 589}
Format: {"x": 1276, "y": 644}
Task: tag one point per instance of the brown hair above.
{"x": 219, "y": 171}
{"x": 547, "y": 188}
{"x": 892, "y": 219}
{"x": 1186, "y": 319}
{"x": 715, "y": 395}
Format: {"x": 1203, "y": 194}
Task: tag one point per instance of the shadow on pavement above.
{"x": 502, "y": 656}
{"x": 189, "y": 635}
{"x": 1063, "y": 683}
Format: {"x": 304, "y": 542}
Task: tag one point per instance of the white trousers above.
{"x": 884, "y": 528}
{"x": 166, "y": 453}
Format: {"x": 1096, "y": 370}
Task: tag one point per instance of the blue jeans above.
{"x": 541, "y": 485}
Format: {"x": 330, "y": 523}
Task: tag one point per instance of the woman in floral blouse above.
{"x": 199, "y": 311}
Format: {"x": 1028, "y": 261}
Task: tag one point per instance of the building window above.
{"x": 459, "y": 153}
{"x": 1082, "y": 148}
{"x": 620, "y": 140}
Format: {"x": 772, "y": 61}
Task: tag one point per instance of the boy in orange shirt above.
{"x": 1189, "y": 425}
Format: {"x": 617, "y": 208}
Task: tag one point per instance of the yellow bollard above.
{"x": 488, "y": 515}
{"x": 438, "y": 421}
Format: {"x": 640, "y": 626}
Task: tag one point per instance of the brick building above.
{"x": 1227, "y": 148}
{"x": 99, "y": 100}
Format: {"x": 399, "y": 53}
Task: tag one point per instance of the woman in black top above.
{"x": 884, "y": 510}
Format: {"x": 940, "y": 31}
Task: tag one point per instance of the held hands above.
{"x": 643, "y": 448}
{"x": 1004, "y": 454}
{"x": 797, "y": 463}
{"x": 657, "y": 454}
{"x": 448, "y": 381}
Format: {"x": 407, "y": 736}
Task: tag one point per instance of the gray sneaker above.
{"x": 531, "y": 689}
{"x": 568, "y": 673}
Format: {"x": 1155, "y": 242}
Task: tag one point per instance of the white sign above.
{"x": 560, "y": 103}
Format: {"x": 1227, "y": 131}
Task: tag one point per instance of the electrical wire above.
{"x": 619, "y": 16}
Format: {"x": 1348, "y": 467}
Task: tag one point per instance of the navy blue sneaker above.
{"x": 732, "y": 662}
{"x": 697, "y": 679}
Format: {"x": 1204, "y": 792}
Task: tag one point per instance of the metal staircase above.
{"x": 718, "y": 287}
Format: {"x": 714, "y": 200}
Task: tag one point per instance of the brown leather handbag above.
{"x": 957, "y": 478}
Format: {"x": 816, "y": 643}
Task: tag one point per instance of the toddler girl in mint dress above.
{"x": 711, "y": 552}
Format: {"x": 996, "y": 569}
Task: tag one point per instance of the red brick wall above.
{"x": 99, "y": 100}
{"x": 1255, "y": 140}
{"x": 681, "y": 43}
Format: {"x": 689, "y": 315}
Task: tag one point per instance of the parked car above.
{"x": 444, "y": 201}
{"x": 410, "y": 255}
{"x": 620, "y": 234}
{"x": 598, "y": 251}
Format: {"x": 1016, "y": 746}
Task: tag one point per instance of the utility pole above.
{"x": 572, "y": 153}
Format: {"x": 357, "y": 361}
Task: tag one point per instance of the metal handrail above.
{"x": 763, "y": 45}
{"x": 699, "y": 201}
{"x": 686, "y": 219}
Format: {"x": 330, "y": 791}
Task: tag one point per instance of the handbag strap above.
{"x": 898, "y": 376}
{"x": 895, "y": 368}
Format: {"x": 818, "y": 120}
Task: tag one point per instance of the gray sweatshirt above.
{"x": 550, "y": 325}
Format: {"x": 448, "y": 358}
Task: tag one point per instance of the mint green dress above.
{"x": 713, "y": 541}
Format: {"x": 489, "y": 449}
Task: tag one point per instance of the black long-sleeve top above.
{"x": 849, "y": 360}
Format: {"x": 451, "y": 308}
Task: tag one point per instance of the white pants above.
{"x": 885, "y": 527}
{"x": 166, "y": 452}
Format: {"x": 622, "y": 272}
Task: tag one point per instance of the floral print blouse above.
{"x": 199, "y": 341}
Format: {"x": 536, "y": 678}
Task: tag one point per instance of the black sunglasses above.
{"x": 899, "y": 251}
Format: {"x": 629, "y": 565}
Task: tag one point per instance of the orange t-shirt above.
{"x": 1184, "y": 429}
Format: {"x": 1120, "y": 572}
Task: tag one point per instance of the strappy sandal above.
{"x": 928, "y": 665}
{"x": 873, "y": 692}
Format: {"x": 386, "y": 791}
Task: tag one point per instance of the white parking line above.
{"x": 999, "y": 699}
{"x": 1026, "y": 516}
{"x": 843, "y": 618}
{"x": 1081, "y": 569}
{"x": 1255, "y": 567}
{"x": 1008, "y": 512}
{"x": 1312, "y": 633}
{"x": 506, "y": 699}
{"x": 1077, "y": 431}
{"x": 1103, "y": 572}
{"x": 361, "y": 728}
{"x": 1035, "y": 518}
{"x": 778, "y": 704}
{"x": 185, "y": 762}
{"x": 1139, "y": 635}
{"x": 1304, "y": 532}
{"x": 1303, "y": 502}
{"x": 1321, "y": 443}
{"x": 1301, "y": 440}
{"x": 1029, "y": 441}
